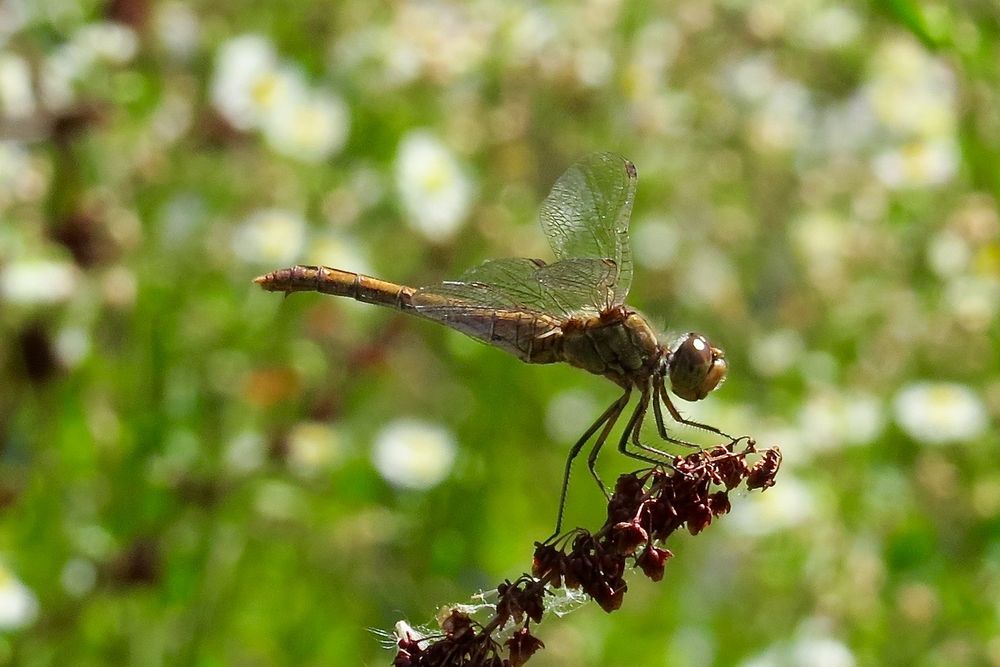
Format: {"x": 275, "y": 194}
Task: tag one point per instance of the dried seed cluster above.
{"x": 645, "y": 509}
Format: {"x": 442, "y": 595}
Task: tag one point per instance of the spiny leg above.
{"x": 596, "y": 449}
{"x": 637, "y": 430}
{"x": 610, "y": 416}
{"x": 687, "y": 422}
{"x": 634, "y": 421}
{"x": 661, "y": 427}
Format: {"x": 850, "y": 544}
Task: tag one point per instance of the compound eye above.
{"x": 696, "y": 368}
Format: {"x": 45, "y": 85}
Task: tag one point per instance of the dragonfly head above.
{"x": 695, "y": 367}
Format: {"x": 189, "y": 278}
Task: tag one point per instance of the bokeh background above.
{"x": 193, "y": 471}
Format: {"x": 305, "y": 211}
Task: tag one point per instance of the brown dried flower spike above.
{"x": 646, "y": 507}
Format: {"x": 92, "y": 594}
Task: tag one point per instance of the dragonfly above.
{"x": 572, "y": 310}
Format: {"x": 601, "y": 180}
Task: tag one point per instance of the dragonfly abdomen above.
{"x": 339, "y": 283}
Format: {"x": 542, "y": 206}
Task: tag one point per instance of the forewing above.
{"x": 587, "y": 214}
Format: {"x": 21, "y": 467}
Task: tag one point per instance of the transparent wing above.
{"x": 580, "y": 285}
{"x": 577, "y": 286}
{"x": 512, "y": 282}
{"x": 587, "y": 214}
{"x": 510, "y": 315}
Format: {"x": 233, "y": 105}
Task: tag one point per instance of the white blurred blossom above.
{"x": 776, "y": 352}
{"x": 435, "y": 192}
{"x": 937, "y": 413}
{"x": 912, "y": 92}
{"x": 830, "y": 27}
{"x": 783, "y": 118}
{"x": 18, "y": 604}
{"x": 17, "y": 97}
{"x": 917, "y": 164}
{"x": 913, "y": 95}
{"x": 311, "y": 127}
{"x": 37, "y": 281}
{"x": 655, "y": 243}
{"x": 821, "y": 239}
{"x": 948, "y": 253}
{"x": 270, "y": 236}
{"x": 313, "y": 447}
{"x": 531, "y": 34}
{"x": 973, "y": 300}
{"x": 831, "y": 419}
{"x": 253, "y": 89}
{"x": 247, "y": 81}
{"x": 414, "y": 454}
{"x": 72, "y": 345}
{"x": 245, "y": 453}
{"x": 107, "y": 41}
{"x": 177, "y": 28}
{"x": 805, "y": 652}
{"x": 92, "y": 45}
{"x": 441, "y": 41}
{"x": 20, "y": 177}
{"x": 709, "y": 278}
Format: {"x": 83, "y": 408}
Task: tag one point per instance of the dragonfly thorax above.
{"x": 618, "y": 344}
{"x": 695, "y": 367}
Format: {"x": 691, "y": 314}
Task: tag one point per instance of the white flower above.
{"x": 805, "y": 652}
{"x": 17, "y": 98}
{"x": 918, "y": 163}
{"x": 830, "y": 27}
{"x": 72, "y": 345}
{"x": 936, "y": 413}
{"x": 911, "y": 92}
{"x": 434, "y": 190}
{"x": 270, "y": 236}
{"x": 312, "y": 447}
{"x": 15, "y": 170}
{"x": 58, "y": 74}
{"x": 829, "y": 419}
{"x": 309, "y": 127}
{"x": 18, "y": 604}
{"x": 90, "y": 46}
{"x": 948, "y": 253}
{"x": 245, "y": 452}
{"x": 413, "y": 454}
{"x": 709, "y": 278}
{"x": 248, "y": 82}
{"x": 106, "y": 41}
{"x": 37, "y": 281}
{"x": 177, "y": 28}
{"x": 656, "y": 242}
{"x": 776, "y": 352}
{"x": 973, "y": 300}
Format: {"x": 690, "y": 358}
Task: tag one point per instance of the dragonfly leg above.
{"x": 607, "y": 419}
{"x": 601, "y": 439}
{"x": 637, "y": 430}
{"x": 661, "y": 390}
{"x": 632, "y": 432}
{"x": 661, "y": 426}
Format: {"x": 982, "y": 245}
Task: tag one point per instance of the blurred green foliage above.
{"x": 186, "y": 468}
